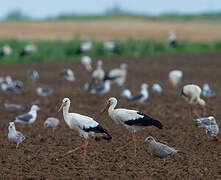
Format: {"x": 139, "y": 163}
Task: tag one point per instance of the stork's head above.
{"x": 11, "y": 126}
{"x": 99, "y": 63}
{"x": 149, "y": 139}
{"x": 110, "y": 101}
{"x": 144, "y": 86}
{"x": 123, "y": 66}
{"x": 65, "y": 103}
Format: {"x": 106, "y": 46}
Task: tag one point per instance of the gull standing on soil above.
{"x": 102, "y": 90}
{"x": 207, "y": 92}
{"x": 191, "y": 93}
{"x": 86, "y": 61}
{"x": 14, "y": 108}
{"x": 84, "y": 125}
{"x": 209, "y": 124}
{"x": 157, "y": 88}
{"x": 44, "y": 92}
{"x": 158, "y": 149}
{"x": 33, "y": 75}
{"x": 143, "y": 95}
{"x": 13, "y": 135}
{"x": 52, "y": 123}
{"x": 133, "y": 120}
{"x": 68, "y": 74}
{"x": 118, "y": 76}
{"x": 28, "y": 118}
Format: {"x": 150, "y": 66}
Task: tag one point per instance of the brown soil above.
{"x": 42, "y": 154}
{"x": 206, "y": 31}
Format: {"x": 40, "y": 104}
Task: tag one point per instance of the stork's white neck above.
{"x": 111, "y": 108}
{"x": 66, "y": 112}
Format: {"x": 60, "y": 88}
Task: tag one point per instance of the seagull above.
{"x": 44, "y": 92}
{"x": 33, "y": 75}
{"x": 84, "y": 125}
{"x": 14, "y": 108}
{"x": 157, "y": 88}
{"x": 102, "y": 90}
{"x": 126, "y": 93}
{"x": 207, "y": 92}
{"x": 28, "y": 118}
{"x": 14, "y": 86}
{"x": 68, "y": 74}
{"x": 13, "y": 135}
{"x": 52, "y": 123}
{"x": 209, "y": 124}
{"x": 143, "y": 95}
{"x": 158, "y": 149}
{"x": 133, "y": 120}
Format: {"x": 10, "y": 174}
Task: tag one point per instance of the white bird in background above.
{"x": 102, "y": 90}
{"x": 158, "y": 149}
{"x": 52, "y": 123}
{"x": 172, "y": 39}
{"x": 131, "y": 119}
{"x": 84, "y": 47}
{"x": 84, "y": 125}
{"x": 6, "y": 51}
{"x": 13, "y": 135}
{"x": 28, "y": 118}
{"x": 175, "y": 77}
{"x": 28, "y": 49}
{"x": 86, "y": 61}
{"x": 118, "y": 76}
{"x": 207, "y": 92}
{"x": 126, "y": 93}
{"x": 191, "y": 93}
{"x": 98, "y": 74}
{"x": 111, "y": 47}
{"x": 143, "y": 95}
{"x": 68, "y": 74}
{"x": 33, "y": 75}
{"x": 44, "y": 92}
{"x": 14, "y": 108}
{"x": 209, "y": 124}
{"x": 157, "y": 88}
{"x": 11, "y": 86}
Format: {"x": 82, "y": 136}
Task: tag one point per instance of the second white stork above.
{"x": 84, "y": 125}
{"x": 133, "y": 120}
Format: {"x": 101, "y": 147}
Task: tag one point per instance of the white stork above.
{"x": 117, "y": 76}
{"x": 143, "y": 95}
{"x": 86, "y": 61}
{"x": 191, "y": 93}
{"x": 133, "y": 120}
{"x": 175, "y": 77}
{"x": 84, "y": 125}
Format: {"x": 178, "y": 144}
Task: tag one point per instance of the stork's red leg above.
{"x": 134, "y": 141}
{"x": 85, "y": 149}
{"x": 71, "y": 151}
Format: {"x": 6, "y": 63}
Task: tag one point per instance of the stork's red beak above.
{"x": 62, "y": 105}
{"x": 105, "y": 108}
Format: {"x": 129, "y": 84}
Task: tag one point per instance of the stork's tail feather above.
{"x": 157, "y": 123}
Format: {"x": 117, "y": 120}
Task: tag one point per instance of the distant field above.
{"x": 114, "y": 29}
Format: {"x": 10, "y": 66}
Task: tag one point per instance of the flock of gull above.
{"x": 100, "y": 83}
